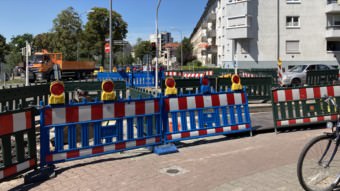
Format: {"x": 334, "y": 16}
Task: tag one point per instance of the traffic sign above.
{"x": 107, "y": 48}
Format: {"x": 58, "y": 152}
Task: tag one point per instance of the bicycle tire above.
{"x": 325, "y": 176}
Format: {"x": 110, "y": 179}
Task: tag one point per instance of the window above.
{"x": 292, "y": 46}
{"x": 333, "y": 45}
{"x": 293, "y": 1}
{"x": 292, "y": 21}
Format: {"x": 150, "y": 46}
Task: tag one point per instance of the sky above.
{"x": 36, "y": 16}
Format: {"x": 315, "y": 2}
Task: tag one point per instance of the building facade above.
{"x": 203, "y": 37}
{"x": 256, "y": 33}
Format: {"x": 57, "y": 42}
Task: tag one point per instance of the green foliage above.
{"x": 97, "y": 30}
{"x": 187, "y": 51}
{"x": 123, "y": 59}
{"x": 44, "y": 41}
{"x": 67, "y": 28}
{"x": 19, "y": 42}
{"x": 3, "y": 48}
{"x": 143, "y": 48}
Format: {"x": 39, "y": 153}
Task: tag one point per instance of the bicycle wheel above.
{"x": 312, "y": 170}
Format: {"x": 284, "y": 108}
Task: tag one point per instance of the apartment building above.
{"x": 203, "y": 37}
{"x": 256, "y": 33}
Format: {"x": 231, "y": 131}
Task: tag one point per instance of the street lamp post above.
{"x": 110, "y": 65}
{"x": 157, "y": 44}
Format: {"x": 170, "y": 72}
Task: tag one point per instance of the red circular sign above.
{"x": 107, "y": 47}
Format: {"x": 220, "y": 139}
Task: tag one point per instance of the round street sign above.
{"x": 107, "y": 48}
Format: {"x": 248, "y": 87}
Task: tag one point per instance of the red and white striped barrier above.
{"x": 305, "y": 93}
{"x": 100, "y": 149}
{"x": 15, "y": 122}
{"x": 74, "y": 114}
{"x": 15, "y": 169}
{"x": 173, "y": 74}
{"x": 307, "y": 120}
{"x": 203, "y": 132}
{"x": 202, "y": 101}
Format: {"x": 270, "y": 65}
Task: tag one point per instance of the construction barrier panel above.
{"x": 85, "y": 130}
{"x": 142, "y": 79}
{"x": 17, "y": 143}
{"x": 196, "y": 116}
{"x": 304, "y": 105}
{"x": 257, "y": 88}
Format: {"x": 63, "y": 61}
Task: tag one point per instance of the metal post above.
{"x": 157, "y": 44}
{"x": 181, "y": 51}
{"x": 110, "y": 65}
{"x": 27, "y": 80}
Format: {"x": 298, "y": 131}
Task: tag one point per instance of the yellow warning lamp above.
{"x": 236, "y": 82}
{"x": 57, "y": 91}
{"x": 101, "y": 69}
{"x": 107, "y": 91}
{"x": 128, "y": 69}
{"x": 170, "y": 84}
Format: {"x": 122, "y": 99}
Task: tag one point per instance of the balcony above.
{"x": 333, "y": 32}
{"x": 211, "y": 33}
{"x": 204, "y": 25}
{"x": 239, "y": 27}
{"x": 204, "y": 39}
{"x": 212, "y": 49}
{"x": 238, "y": 7}
{"x": 212, "y": 17}
{"x": 332, "y": 6}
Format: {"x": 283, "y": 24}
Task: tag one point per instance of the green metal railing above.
{"x": 322, "y": 77}
{"x": 17, "y": 97}
{"x": 137, "y": 92}
{"x": 257, "y": 88}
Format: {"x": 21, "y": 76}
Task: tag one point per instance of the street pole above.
{"x": 156, "y": 69}
{"x": 110, "y": 65}
{"x": 27, "y": 80}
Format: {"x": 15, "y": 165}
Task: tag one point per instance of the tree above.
{"x": 97, "y": 30}
{"x": 3, "y": 48}
{"x": 123, "y": 58}
{"x": 67, "y": 28}
{"x": 17, "y": 42}
{"x": 187, "y": 51}
{"x": 143, "y": 48}
{"x": 44, "y": 41}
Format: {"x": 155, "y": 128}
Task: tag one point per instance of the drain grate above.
{"x": 173, "y": 171}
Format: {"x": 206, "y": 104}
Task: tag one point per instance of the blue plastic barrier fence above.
{"x": 143, "y": 79}
{"x": 197, "y": 116}
{"x": 91, "y": 129}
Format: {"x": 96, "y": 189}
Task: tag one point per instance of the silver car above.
{"x": 297, "y": 75}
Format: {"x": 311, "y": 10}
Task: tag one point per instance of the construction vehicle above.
{"x": 50, "y": 66}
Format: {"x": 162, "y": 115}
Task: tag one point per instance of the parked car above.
{"x": 297, "y": 75}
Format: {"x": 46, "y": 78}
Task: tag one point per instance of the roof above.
{"x": 171, "y": 45}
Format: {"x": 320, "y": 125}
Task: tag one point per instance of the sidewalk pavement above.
{"x": 262, "y": 162}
